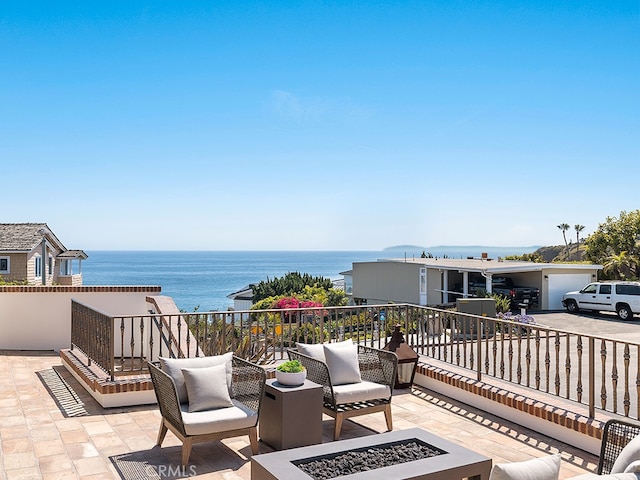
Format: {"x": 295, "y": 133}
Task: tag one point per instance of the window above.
{"x": 38, "y": 269}
{"x": 4, "y": 264}
{"x": 591, "y": 288}
{"x": 628, "y": 289}
{"x": 65, "y": 267}
{"x": 50, "y": 265}
{"x": 605, "y": 289}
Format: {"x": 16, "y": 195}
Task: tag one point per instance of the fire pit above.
{"x": 405, "y": 454}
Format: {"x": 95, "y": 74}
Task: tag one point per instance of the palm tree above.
{"x": 578, "y": 228}
{"x": 620, "y": 266}
{"x": 564, "y": 227}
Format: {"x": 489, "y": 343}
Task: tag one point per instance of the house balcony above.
{"x": 506, "y": 390}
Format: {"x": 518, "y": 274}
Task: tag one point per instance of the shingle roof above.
{"x": 23, "y": 237}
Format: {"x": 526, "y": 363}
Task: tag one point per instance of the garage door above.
{"x": 560, "y": 284}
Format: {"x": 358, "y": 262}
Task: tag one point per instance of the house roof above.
{"x": 73, "y": 254}
{"x": 491, "y": 266}
{"x": 245, "y": 293}
{"x": 24, "y": 237}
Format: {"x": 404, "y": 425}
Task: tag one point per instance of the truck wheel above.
{"x": 572, "y": 306}
{"x": 624, "y": 312}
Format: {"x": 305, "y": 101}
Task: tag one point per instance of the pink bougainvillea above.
{"x": 293, "y": 302}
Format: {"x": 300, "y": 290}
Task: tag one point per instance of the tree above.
{"x": 614, "y": 236}
{"x": 620, "y": 266}
{"x": 564, "y": 227}
{"x": 302, "y": 287}
{"x": 578, "y": 228}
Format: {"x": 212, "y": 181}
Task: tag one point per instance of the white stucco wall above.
{"x": 41, "y": 320}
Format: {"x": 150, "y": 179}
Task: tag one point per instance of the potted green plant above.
{"x": 291, "y": 373}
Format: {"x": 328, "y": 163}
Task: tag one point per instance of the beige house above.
{"x": 437, "y": 281}
{"x": 31, "y": 253}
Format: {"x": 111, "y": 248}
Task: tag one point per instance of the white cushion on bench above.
{"x": 219, "y": 420}
{"x": 360, "y": 392}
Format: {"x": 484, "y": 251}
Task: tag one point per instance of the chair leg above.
{"x": 162, "y": 433}
{"x": 253, "y": 439}
{"x": 387, "y": 416}
{"x": 186, "y": 451}
{"x": 338, "y": 426}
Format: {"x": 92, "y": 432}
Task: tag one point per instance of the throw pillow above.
{"x": 342, "y": 361}
{"x": 316, "y": 350}
{"x": 313, "y": 350}
{"x": 544, "y": 468}
{"x": 207, "y": 388}
{"x": 173, "y": 367}
{"x": 629, "y": 454}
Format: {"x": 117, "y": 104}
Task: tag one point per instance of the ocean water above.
{"x": 203, "y": 279}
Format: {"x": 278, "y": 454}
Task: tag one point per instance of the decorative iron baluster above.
{"x": 494, "y": 350}
{"x": 537, "y": 372}
{"x": 614, "y": 376}
{"x": 557, "y": 365}
{"x": 122, "y": 341}
{"x": 502, "y": 364}
{"x": 519, "y": 363}
{"x": 180, "y": 352}
{"x": 627, "y": 398}
{"x": 486, "y": 352}
{"x": 510, "y": 354}
{"x": 579, "y": 352}
{"x": 141, "y": 343}
{"x": 547, "y": 363}
{"x": 603, "y": 387}
{"x": 528, "y": 356}
{"x": 472, "y": 330}
{"x": 132, "y": 343}
{"x": 567, "y": 366}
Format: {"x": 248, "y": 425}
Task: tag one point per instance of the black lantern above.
{"x": 407, "y": 359}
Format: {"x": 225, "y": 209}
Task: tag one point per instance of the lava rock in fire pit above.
{"x": 369, "y": 458}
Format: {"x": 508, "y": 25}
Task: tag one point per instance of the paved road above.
{"x": 598, "y": 324}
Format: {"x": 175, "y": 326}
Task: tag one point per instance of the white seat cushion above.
{"x": 220, "y": 420}
{"x": 360, "y": 392}
{"x": 173, "y": 367}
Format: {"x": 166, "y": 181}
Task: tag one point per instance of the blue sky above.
{"x": 318, "y": 125}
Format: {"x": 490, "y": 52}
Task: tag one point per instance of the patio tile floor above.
{"x": 57, "y": 434}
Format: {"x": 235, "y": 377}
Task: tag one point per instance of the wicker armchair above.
{"x": 378, "y": 368}
{"x": 247, "y": 387}
{"x": 616, "y": 435}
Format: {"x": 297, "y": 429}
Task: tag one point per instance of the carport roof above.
{"x": 492, "y": 266}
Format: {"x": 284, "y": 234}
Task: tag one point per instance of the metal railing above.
{"x": 598, "y": 372}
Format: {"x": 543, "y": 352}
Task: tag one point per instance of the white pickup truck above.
{"x": 620, "y": 297}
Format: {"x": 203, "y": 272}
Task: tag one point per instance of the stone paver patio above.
{"x": 51, "y": 428}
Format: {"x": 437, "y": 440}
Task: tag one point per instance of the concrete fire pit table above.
{"x": 452, "y": 462}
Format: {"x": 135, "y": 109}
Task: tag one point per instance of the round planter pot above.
{"x": 291, "y": 379}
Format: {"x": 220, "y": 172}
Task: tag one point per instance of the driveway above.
{"x": 597, "y": 324}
